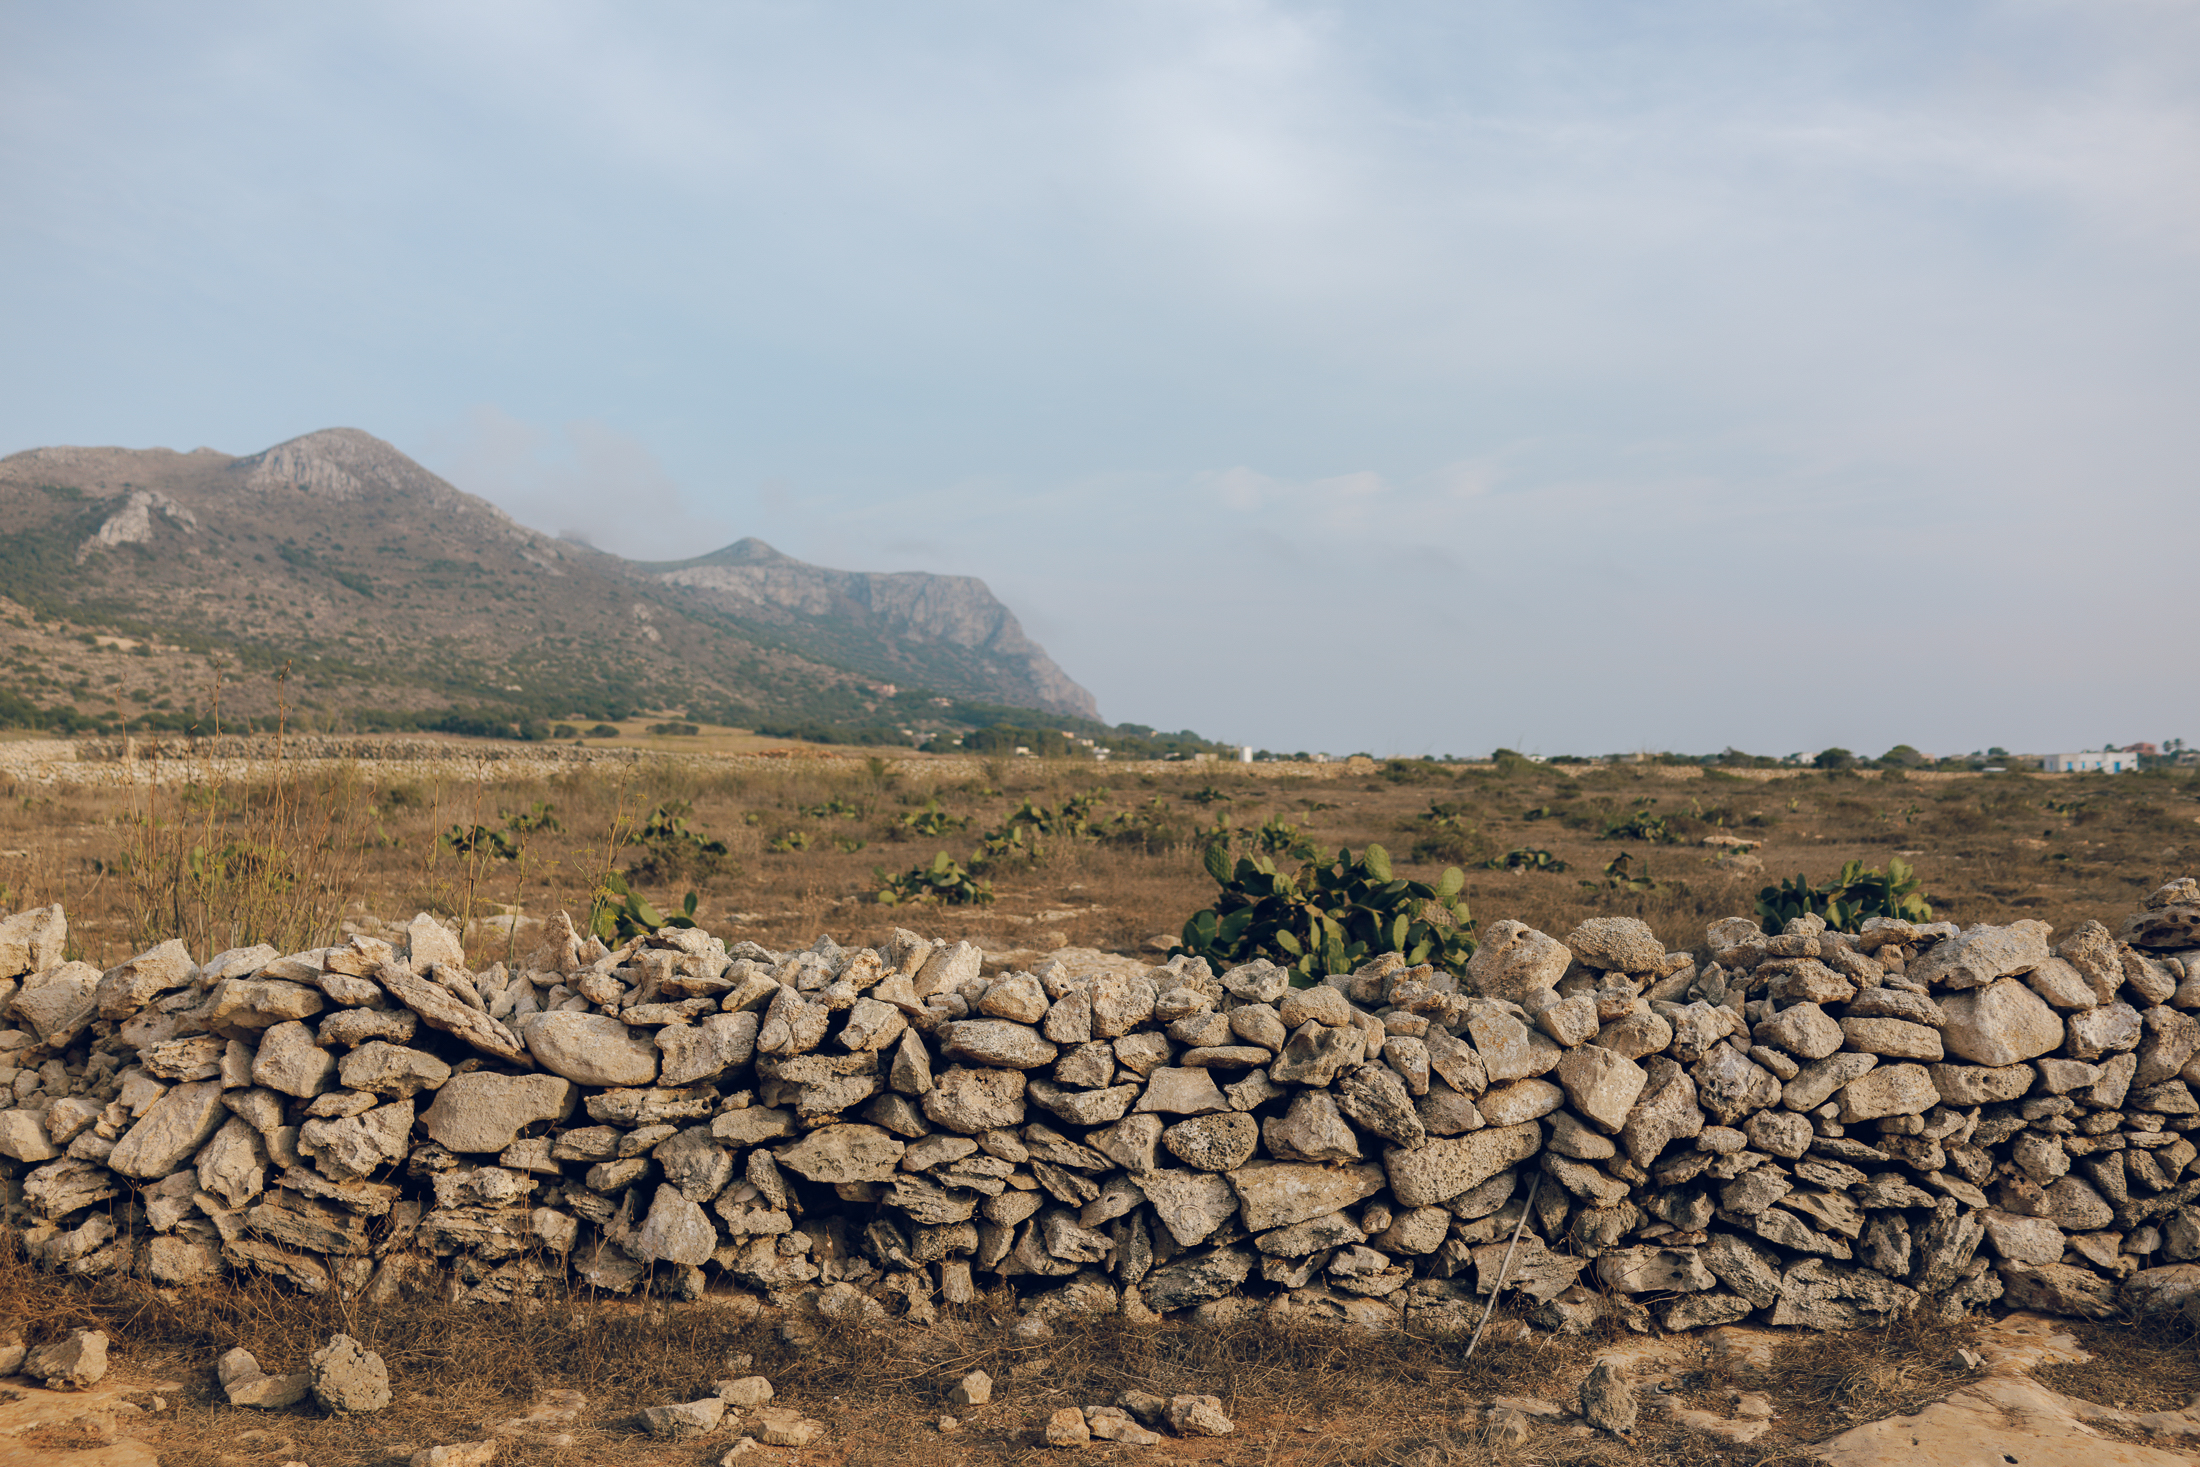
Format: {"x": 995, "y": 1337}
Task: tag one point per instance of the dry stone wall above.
{"x": 1811, "y": 1128}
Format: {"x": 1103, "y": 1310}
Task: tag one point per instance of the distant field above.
{"x": 805, "y": 837}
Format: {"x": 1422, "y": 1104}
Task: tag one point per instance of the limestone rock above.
{"x": 2001, "y": 1023}
{"x": 1313, "y": 1129}
{"x": 2058, "y": 1288}
{"x": 76, "y": 1362}
{"x": 129, "y": 987}
{"x": 1066, "y": 1428}
{"x": 1198, "y": 1416}
{"x": 972, "y": 1101}
{"x": 1514, "y": 960}
{"x": 1889, "y": 1090}
{"x": 1982, "y": 954}
{"x": 997, "y": 1044}
{"x": 1277, "y": 1194}
{"x": 1624, "y": 944}
{"x": 684, "y": 1421}
{"x": 1602, "y": 1086}
{"x": 1190, "y": 1204}
{"x": 591, "y": 1049}
{"x": 348, "y": 1379}
{"x": 1375, "y": 1099}
{"x": 170, "y": 1132}
{"x": 481, "y": 1111}
{"x": 1444, "y": 1168}
{"x": 1608, "y": 1398}
{"x": 1213, "y": 1143}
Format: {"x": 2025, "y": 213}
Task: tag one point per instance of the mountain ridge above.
{"x": 338, "y": 555}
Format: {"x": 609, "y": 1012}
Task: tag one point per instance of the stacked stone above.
{"x": 1811, "y": 1127}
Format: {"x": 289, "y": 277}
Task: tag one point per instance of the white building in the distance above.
{"x": 2093, "y": 761}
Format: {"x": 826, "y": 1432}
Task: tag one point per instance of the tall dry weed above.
{"x": 225, "y": 862}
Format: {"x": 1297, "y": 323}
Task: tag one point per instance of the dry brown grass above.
{"x": 1368, "y": 1399}
{"x": 2137, "y": 1365}
{"x": 1835, "y": 1381}
{"x": 2062, "y": 848}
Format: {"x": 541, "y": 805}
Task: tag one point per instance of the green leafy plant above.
{"x": 671, "y": 851}
{"x": 1328, "y": 916}
{"x": 932, "y": 820}
{"x": 682, "y": 730}
{"x": 1640, "y": 824}
{"x": 619, "y": 912}
{"x": 1277, "y": 836}
{"x": 506, "y": 844}
{"x": 830, "y": 809}
{"x": 1152, "y": 826}
{"x": 1525, "y": 859}
{"x": 1452, "y": 836}
{"x": 1620, "y": 875}
{"x": 943, "y": 881}
{"x": 790, "y": 841}
{"x": 1857, "y": 893}
{"x": 1207, "y": 794}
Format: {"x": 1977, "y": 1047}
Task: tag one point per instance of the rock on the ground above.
{"x": 1608, "y": 1398}
{"x": 348, "y": 1379}
{"x": 684, "y": 1420}
{"x": 1198, "y": 1416}
{"x": 75, "y": 1362}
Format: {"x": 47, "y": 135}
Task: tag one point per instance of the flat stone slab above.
{"x": 2001, "y": 1419}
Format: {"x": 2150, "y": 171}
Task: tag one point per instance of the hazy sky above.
{"x": 1416, "y": 377}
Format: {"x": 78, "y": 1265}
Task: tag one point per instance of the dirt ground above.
{"x": 806, "y": 844}
{"x": 562, "y": 1383}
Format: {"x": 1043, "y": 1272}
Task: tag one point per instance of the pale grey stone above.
{"x": 1601, "y": 1086}
{"x": 1804, "y": 1030}
{"x": 1982, "y": 954}
{"x": 1515, "y": 1101}
{"x": 997, "y": 1044}
{"x": 1444, "y": 1168}
{"x": 1213, "y": 1143}
{"x": 1190, "y": 1204}
{"x": 1893, "y": 1039}
{"x": 480, "y": 1111}
{"x": 385, "y": 1069}
{"x": 1889, "y": 1090}
{"x": 974, "y": 1100}
{"x": 1513, "y": 960}
{"x": 2002, "y": 1023}
{"x": 1277, "y": 1194}
{"x": 591, "y": 1049}
{"x": 675, "y": 1230}
{"x": 843, "y": 1154}
{"x": 1182, "y": 1092}
{"x": 170, "y": 1132}
{"x": 347, "y": 1379}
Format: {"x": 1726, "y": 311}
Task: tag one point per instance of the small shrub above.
{"x": 603, "y": 731}
{"x": 1525, "y": 859}
{"x": 679, "y": 730}
{"x": 944, "y": 881}
{"x": 1857, "y": 893}
{"x": 1328, "y": 916}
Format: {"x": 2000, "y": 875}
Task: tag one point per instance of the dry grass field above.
{"x": 287, "y": 855}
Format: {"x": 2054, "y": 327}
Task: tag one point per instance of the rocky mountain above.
{"x": 390, "y": 593}
{"x": 907, "y": 626}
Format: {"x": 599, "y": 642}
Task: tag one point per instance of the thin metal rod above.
{"x": 1505, "y": 1268}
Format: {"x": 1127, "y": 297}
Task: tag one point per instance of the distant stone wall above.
{"x": 1812, "y": 1128}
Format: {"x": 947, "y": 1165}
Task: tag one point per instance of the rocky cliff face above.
{"x": 944, "y": 631}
